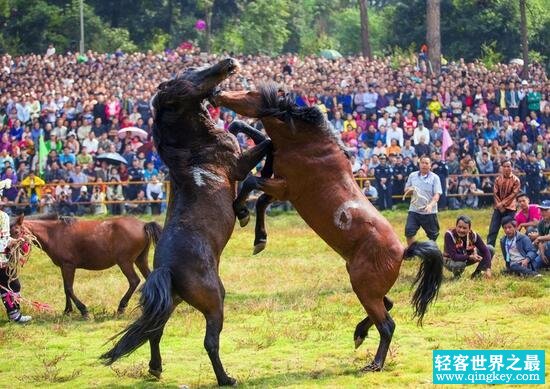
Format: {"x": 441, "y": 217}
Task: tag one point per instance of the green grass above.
{"x": 289, "y": 320}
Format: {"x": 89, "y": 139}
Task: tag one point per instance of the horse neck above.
{"x": 40, "y": 229}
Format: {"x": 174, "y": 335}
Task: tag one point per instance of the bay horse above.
{"x": 204, "y": 162}
{"x": 92, "y": 245}
{"x": 313, "y": 173}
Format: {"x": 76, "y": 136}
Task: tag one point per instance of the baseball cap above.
{"x": 545, "y": 204}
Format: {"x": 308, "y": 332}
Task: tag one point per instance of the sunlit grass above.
{"x": 289, "y": 320}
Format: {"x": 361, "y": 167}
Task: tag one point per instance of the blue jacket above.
{"x": 524, "y": 246}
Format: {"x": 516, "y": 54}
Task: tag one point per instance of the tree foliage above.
{"x": 272, "y": 26}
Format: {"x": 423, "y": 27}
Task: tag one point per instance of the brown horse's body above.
{"x": 93, "y": 245}
{"x": 312, "y": 172}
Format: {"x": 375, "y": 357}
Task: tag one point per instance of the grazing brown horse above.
{"x": 205, "y": 162}
{"x": 312, "y": 171}
{"x": 92, "y": 245}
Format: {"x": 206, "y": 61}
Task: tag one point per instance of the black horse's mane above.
{"x": 279, "y": 104}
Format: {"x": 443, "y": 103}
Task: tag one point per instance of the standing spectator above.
{"x": 154, "y": 193}
{"x": 528, "y": 215}
{"x": 505, "y": 190}
{"x": 533, "y": 179}
{"x": 440, "y": 168}
{"x": 542, "y": 237}
{"x": 463, "y": 247}
{"x": 10, "y": 288}
{"x": 383, "y": 174}
{"x": 426, "y": 188}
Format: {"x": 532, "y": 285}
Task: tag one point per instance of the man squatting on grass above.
{"x": 463, "y": 247}
{"x": 518, "y": 251}
{"x": 541, "y": 237}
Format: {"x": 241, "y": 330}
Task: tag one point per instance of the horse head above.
{"x": 16, "y": 226}
{"x": 179, "y": 103}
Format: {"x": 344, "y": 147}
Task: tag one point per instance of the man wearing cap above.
{"x": 426, "y": 188}
{"x": 542, "y": 236}
{"x": 383, "y": 174}
{"x": 505, "y": 190}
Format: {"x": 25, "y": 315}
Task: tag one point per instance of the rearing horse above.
{"x": 312, "y": 171}
{"x": 204, "y": 162}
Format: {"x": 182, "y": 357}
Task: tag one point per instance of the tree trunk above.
{"x": 365, "y": 41}
{"x": 524, "y": 42}
{"x": 433, "y": 35}
{"x": 208, "y": 28}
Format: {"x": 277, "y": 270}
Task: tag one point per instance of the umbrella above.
{"x": 330, "y": 54}
{"x": 517, "y": 61}
{"x": 112, "y": 158}
{"x": 135, "y": 131}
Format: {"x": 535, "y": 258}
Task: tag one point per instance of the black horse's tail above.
{"x": 156, "y": 307}
{"x": 429, "y": 276}
{"x": 153, "y": 231}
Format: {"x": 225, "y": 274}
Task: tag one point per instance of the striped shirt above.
{"x": 425, "y": 187}
{"x": 505, "y": 191}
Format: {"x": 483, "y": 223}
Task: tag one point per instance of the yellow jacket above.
{"x": 31, "y": 183}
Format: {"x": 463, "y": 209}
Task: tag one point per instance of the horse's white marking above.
{"x": 342, "y": 216}
{"x": 199, "y": 174}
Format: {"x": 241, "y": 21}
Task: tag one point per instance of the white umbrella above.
{"x": 135, "y": 131}
{"x": 517, "y": 61}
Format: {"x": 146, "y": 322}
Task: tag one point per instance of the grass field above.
{"x": 290, "y": 317}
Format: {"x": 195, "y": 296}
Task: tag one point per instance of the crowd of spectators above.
{"x": 468, "y": 119}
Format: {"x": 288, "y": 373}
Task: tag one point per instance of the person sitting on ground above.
{"x": 518, "y": 251}
{"x": 541, "y": 238}
{"x": 463, "y": 247}
{"x": 528, "y": 215}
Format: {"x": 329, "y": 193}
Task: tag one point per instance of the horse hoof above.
{"x": 259, "y": 247}
{"x": 358, "y": 342}
{"x": 85, "y": 316}
{"x": 244, "y": 221}
{"x": 371, "y": 367}
{"x": 156, "y": 373}
{"x": 120, "y": 311}
{"x": 67, "y": 313}
{"x": 228, "y": 381}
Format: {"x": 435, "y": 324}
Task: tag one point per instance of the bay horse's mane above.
{"x": 170, "y": 93}
{"x": 279, "y": 104}
{"x": 67, "y": 220}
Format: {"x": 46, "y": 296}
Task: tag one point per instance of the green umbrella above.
{"x": 330, "y": 54}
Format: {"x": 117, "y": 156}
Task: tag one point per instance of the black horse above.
{"x": 204, "y": 164}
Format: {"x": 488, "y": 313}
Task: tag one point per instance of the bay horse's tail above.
{"x": 153, "y": 231}
{"x": 156, "y": 306}
{"x": 429, "y": 276}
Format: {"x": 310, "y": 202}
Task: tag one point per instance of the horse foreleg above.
{"x": 133, "y": 281}
{"x": 250, "y": 158}
{"x": 68, "y": 303}
{"x": 239, "y": 126}
{"x": 260, "y": 238}
{"x": 67, "y": 271}
{"x": 362, "y": 328}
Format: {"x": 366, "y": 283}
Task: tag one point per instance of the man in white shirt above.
{"x": 91, "y": 143}
{"x": 394, "y": 132}
{"x": 420, "y": 132}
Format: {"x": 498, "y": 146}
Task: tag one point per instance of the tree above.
{"x": 433, "y": 34}
{"x": 365, "y": 39}
{"x": 524, "y": 42}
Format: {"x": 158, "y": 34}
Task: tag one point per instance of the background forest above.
{"x": 469, "y": 28}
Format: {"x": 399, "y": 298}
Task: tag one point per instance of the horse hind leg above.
{"x": 133, "y": 281}
{"x": 362, "y": 328}
{"x": 385, "y": 326}
{"x": 155, "y": 364}
{"x": 142, "y": 262}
